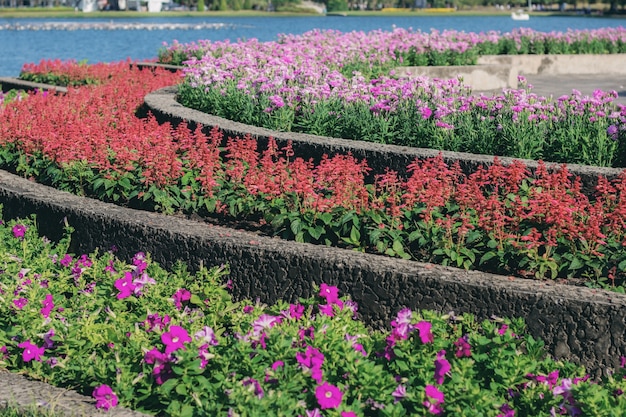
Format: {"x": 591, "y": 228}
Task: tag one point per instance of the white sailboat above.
{"x": 520, "y": 14}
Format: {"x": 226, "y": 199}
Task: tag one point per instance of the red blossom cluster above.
{"x": 97, "y": 124}
{"x": 543, "y": 215}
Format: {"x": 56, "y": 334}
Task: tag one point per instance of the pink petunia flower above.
{"x": 18, "y": 231}
{"x": 19, "y": 303}
{"x": 125, "y": 286}
{"x": 175, "y": 339}
{"x": 348, "y": 414}
{"x": 426, "y": 335}
{"x": 181, "y": 296}
{"x": 434, "y": 399}
{"x": 462, "y": 348}
{"x": 105, "y": 397}
{"x": 330, "y": 293}
{"x": 442, "y": 367}
{"x": 47, "y": 305}
{"x": 328, "y": 396}
{"x": 31, "y": 351}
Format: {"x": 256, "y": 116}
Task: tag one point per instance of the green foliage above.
{"x": 337, "y": 5}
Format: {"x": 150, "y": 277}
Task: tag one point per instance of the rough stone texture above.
{"x": 17, "y": 390}
{"x": 577, "y": 323}
{"x": 163, "y": 105}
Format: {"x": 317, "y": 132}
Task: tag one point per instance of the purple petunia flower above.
{"x": 31, "y": 351}
{"x": 207, "y": 335}
{"x": 105, "y": 397}
{"x": 434, "y": 399}
{"x": 18, "y": 231}
{"x": 424, "y": 328}
{"x": 125, "y": 286}
{"x": 462, "y": 347}
{"x": 399, "y": 393}
{"x": 328, "y": 396}
{"x": 442, "y": 367}
{"x": 47, "y": 305}
{"x": 181, "y": 296}
{"x": 175, "y": 339}
{"x": 612, "y": 131}
{"x": 264, "y": 322}
{"x": 19, "y": 303}
{"x": 329, "y": 293}
{"x": 256, "y": 386}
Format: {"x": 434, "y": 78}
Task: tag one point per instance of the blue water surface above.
{"x": 25, "y": 40}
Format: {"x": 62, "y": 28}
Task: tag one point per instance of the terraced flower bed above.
{"x": 499, "y": 219}
{"x": 114, "y": 334}
{"x": 346, "y": 86}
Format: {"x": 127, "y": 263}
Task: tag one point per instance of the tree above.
{"x": 337, "y": 5}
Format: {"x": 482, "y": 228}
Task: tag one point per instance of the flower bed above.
{"x": 408, "y": 47}
{"x": 499, "y": 219}
{"x": 175, "y": 343}
{"x": 344, "y": 91}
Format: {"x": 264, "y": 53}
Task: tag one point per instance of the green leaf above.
{"x": 296, "y": 226}
{"x": 181, "y": 389}
{"x": 355, "y": 235}
{"x": 397, "y": 246}
{"x": 169, "y": 385}
{"x": 316, "y": 232}
{"x": 186, "y": 411}
{"x": 486, "y": 257}
{"x": 195, "y": 300}
{"x": 576, "y": 264}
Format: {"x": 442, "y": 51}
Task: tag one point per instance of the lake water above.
{"x": 106, "y": 40}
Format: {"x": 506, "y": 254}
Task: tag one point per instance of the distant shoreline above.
{"x": 71, "y": 13}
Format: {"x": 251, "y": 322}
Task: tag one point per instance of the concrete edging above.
{"x": 556, "y": 64}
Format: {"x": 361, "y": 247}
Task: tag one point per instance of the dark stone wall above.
{"x": 577, "y": 323}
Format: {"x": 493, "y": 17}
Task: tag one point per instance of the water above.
{"x": 107, "y": 40}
